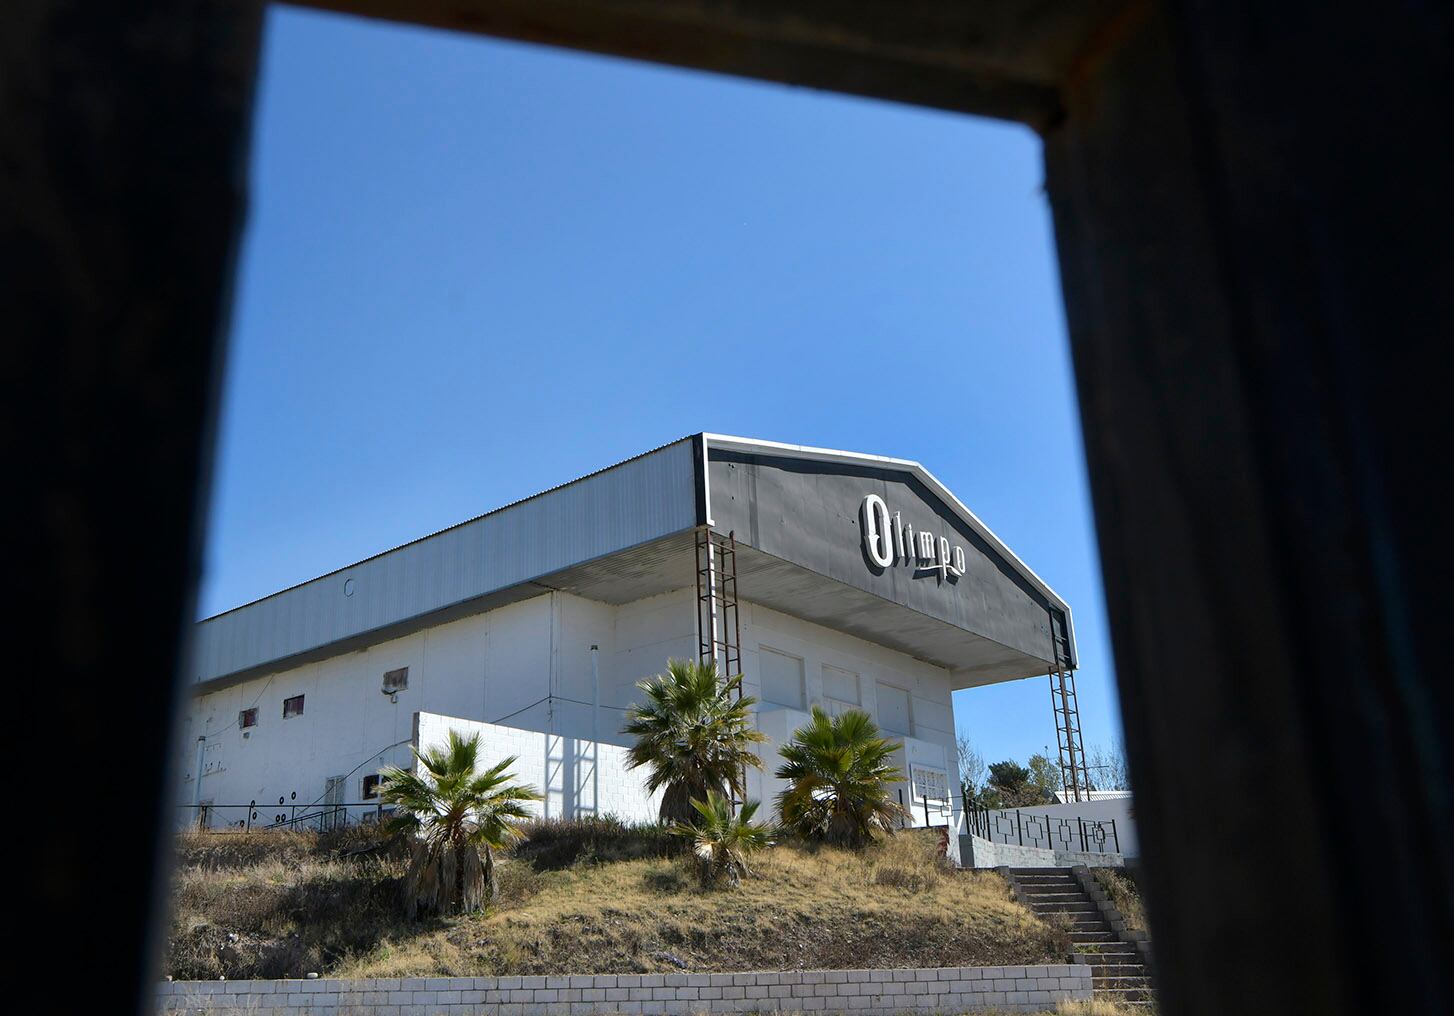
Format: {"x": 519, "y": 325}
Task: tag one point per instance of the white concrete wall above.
{"x": 525, "y": 666}
{"x": 1120, "y": 809}
{"x": 576, "y": 777}
{"x": 479, "y": 667}
{"x": 643, "y": 636}
{"x": 978, "y": 852}
{"x": 932, "y": 706}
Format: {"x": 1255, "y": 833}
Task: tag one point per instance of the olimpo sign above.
{"x": 888, "y": 540}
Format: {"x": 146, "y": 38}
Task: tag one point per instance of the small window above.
{"x": 293, "y": 706}
{"x": 929, "y": 784}
{"x": 396, "y": 680}
{"x": 371, "y": 787}
{"x": 782, "y": 679}
{"x": 247, "y": 718}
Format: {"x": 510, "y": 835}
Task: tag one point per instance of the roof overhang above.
{"x": 828, "y": 486}
{"x": 628, "y": 532}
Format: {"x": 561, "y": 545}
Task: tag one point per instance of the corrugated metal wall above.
{"x": 645, "y": 498}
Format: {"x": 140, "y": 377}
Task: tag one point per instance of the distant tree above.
{"x": 1009, "y": 786}
{"x": 1108, "y": 768}
{"x": 1045, "y": 780}
{"x": 452, "y": 812}
{"x": 971, "y": 771}
{"x": 721, "y": 841}
{"x": 838, "y": 775}
{"x": 694, "y": 733}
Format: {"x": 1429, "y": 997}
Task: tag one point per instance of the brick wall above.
{"x": 881, "y": 992}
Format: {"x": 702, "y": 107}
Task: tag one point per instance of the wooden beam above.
{"x": 997, "y": 59}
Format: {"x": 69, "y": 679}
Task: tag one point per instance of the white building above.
{"x": 860, "y": 581}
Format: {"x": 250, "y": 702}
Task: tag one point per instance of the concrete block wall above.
{"x": 871, "y": 992}
{"x": 978, "y": 852}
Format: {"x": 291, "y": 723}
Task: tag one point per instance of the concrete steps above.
{"x": 1117, "y": 969}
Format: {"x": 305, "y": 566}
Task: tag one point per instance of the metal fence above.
{"x": 937, "y": 813}
{"x": 322, "y": 817}
{"x": 1035, "y": 829}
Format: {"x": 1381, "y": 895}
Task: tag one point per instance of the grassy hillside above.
{"x": 586, "y": 898}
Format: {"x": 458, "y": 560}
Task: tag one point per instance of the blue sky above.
{"x": 476, "y": 269}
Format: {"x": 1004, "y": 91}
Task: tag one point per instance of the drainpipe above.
{"x": 595, "y": 695}
{"x": 197, "y": 782}
{"x": 595, "y": 732}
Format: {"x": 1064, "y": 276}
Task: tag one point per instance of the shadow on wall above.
{"x": 577, "y": 777}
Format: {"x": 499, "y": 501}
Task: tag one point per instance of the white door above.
{"x": 333, "y": 810}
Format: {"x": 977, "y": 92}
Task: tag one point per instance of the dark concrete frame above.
{"x": 1252, "y": 213}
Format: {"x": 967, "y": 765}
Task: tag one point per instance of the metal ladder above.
{"x": 1074, "y": 777}
{"x": 719, "y": 623}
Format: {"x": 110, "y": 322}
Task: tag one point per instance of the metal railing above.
{"x": 932, "y": 807}
{"x": 1026, "y": 828}
{"x": 319, "y": 816}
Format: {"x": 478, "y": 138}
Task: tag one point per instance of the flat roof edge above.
{"x": 429, "y": 536}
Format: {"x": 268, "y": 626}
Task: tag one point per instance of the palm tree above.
{"x": 722, "y": 841}
{"x": 453, "y": 812}
{"x": 694, "y": 732}
{"x": 838, "y": 774}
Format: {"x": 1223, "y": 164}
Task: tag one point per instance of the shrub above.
{"x": 838, "y": 775}
{"x": 914, "y": 881}
{"x": 551, "y": 844}
{"x": 455, "y": 815}
{"x": 694, "y": 734}
{"x": 722, "y": 841}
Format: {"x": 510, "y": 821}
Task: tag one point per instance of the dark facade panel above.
{"x": 809, "y": 513}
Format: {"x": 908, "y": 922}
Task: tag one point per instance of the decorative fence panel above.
{"x": 1026, "y": 828}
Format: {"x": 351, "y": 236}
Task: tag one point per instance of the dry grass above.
{"x": 266, "y": 905}
{"x": 1095, "y": 1007}
{"x": 271, "y": 904}
{"x": 1103, "y": 1007}
{"x": 1125, "y": 896}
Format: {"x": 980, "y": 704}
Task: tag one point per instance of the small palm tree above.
{"x": 722, "y": 841}
{"x": 694, "y": 732}
{"x": 838, "y": 774}
{"x": 453, "y": 812}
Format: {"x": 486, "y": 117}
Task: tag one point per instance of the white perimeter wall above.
{"x": 497, "y": 667}
{"x": 575, "y": 777}
{"x": 1121, "y": 809}
{"x": 977, "y": 852}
